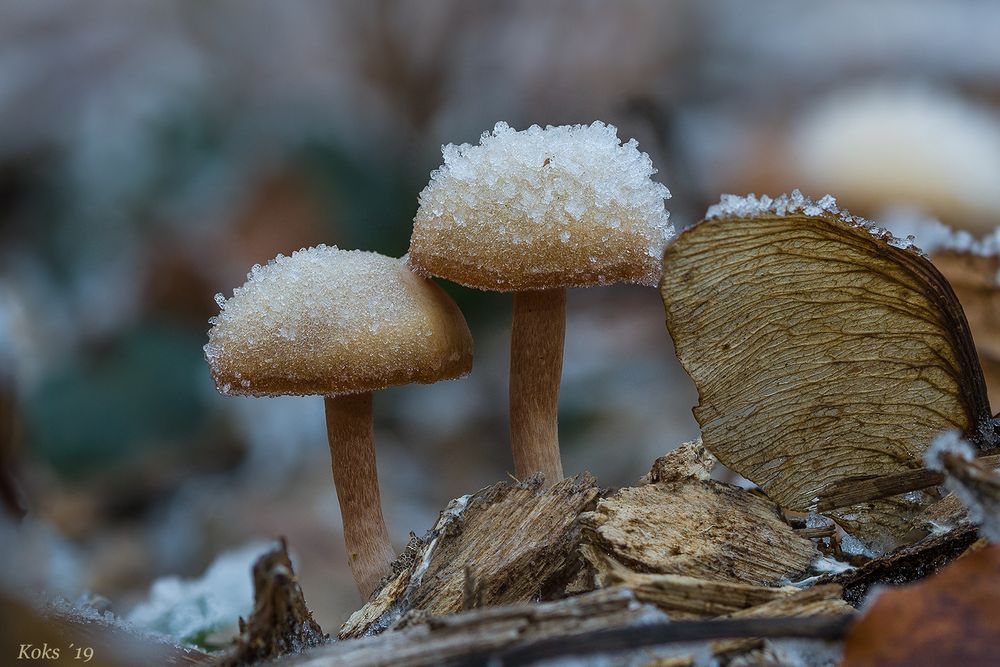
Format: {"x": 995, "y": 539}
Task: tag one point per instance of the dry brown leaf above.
{"x": 947, "y": 619}
{"x": 974, "y": 279}
{"x": 820, "y": 352}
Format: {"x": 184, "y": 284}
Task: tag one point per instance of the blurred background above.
{"x": 152, "y": 152}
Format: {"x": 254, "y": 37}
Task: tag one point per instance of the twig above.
{"x": 854, "y": 490}
{"x": 655, "y": 634}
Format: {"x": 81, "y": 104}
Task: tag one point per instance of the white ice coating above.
{"x": 752, "y": 206}
{"x": 882, "y": 145}
{"x": 184, "y": 609}
{"x": 568, "y": 204}
{"x": 934, "y": 236}
{"x": 982, "y": 511}
{"x": 948, "y": 442}
{"x": 331, "y": 321}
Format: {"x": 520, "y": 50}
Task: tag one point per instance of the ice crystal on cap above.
{"x": 330, "y": 321}
{"x": 566, "y": 206}
{"x": 752, "y": 206}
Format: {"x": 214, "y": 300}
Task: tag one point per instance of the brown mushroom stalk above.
{"x": 340, "y": 324}
{"x": 352, "y": 453}
{"x": 533, "y": 213}
{"x": 536, "y": 358}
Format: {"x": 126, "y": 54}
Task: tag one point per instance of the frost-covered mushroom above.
{"x": 532, "y": 213}
{"x": 880, "y": 146}
{"x": 340, "y": 324}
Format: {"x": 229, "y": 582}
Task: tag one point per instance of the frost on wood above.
{"x": 882, "y": 145}
{"x": 564, "y": 206}
{"x": 512, "y": 542}
{"x": 909, "y": 563}
{"x": 697, "y": 528}
{"x": 828, "y": 353}
{"x": 974, "y": 483}
{"x": 330, "y": 321}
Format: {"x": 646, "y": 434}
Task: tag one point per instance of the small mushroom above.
{"x": 532, "y": 213}
{"x": 879, "y": 146}
{"x": 340, "y": 324}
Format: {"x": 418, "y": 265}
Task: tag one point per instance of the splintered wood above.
{"x": 281, "y": 622}
{"x": 511, "y": 542}
{"x": 681, "y": 596}
{"x": 609, "y": 623}
{"x": 475, "y": 634}
{"x": 698, "y": 528}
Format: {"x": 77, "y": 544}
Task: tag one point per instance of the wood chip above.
{"x": 685, "y": 597}
{"x": 281, "y": 623}
{"x": 697, "y": 528}
{"x": 518, "y": 542}
{"x": 608, "y": 621}
{"x": 824, "y": 600}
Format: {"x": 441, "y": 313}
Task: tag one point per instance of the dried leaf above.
{"x": 820, "y": 352}
{"x": 973, "y": 276}
{"x": 947, "y": 619}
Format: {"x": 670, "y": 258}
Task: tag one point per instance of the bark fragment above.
{"x": 520, "y": 542}
{"x": 281, "y": 623}
{"x": 683, "y": 597}
{"x": 697, "y": 528}
{"x": 904, "y": 565}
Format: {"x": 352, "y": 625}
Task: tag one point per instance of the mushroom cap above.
{"x": 881, "y": 146}
{"x": 566, "y": 206}
{"x": 328, "y": 321}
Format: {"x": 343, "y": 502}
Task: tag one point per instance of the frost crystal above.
{"x": 752, "y": 206}
{"x": 330, "y": 321}
{"x": 983, "y": 508}
{"x": 934, "y": 236}
{"x": 949, "y": 442}
{"x": 541, "y": 208}
{"x": 187, "y": 610}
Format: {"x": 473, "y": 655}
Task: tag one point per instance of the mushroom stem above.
{"x": 536, "y": 357}
{"x": 352, "y": 451}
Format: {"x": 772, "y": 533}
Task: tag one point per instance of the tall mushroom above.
{"x": 535, "y": 212}
{"x": 340, "y": 324}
